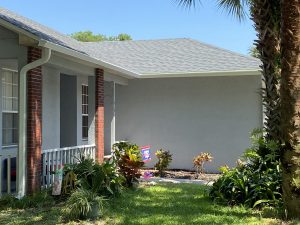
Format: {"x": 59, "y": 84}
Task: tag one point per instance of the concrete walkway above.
{"x": 175, "y": 181}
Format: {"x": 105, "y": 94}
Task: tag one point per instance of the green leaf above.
{"x": 260, "y": 202}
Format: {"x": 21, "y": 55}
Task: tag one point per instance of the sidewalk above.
{"x": 176, "y": 181}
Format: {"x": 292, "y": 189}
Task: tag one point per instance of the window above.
{"x": 85, "y": 111}
{"x": 9, "y": 107}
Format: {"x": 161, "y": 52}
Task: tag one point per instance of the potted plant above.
{"x": 84, "y": 204}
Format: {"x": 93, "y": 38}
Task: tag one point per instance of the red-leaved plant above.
{"x": 129, "y": 161}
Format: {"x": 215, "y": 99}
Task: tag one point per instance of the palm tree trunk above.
{"x": 266, "y": 17}
{"x": 289, "y": 92}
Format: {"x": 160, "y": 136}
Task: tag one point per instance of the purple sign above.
{"x": 146, "y": 153}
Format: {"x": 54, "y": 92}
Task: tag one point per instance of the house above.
{"x": 60, "y": 97}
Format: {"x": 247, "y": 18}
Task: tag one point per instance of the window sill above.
{"x": 9, "y": 146}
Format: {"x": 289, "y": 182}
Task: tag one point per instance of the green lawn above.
{"x": 162, "y": 204}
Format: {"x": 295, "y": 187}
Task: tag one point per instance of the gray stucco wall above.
{"x": 108, "y": 115}
{"x": 10, "y": 48}
{"x": 190, "y": 115}
{"x": 71, "y": 112}
{"x": 68, "y": 111}
{"x": 51, "y": 108}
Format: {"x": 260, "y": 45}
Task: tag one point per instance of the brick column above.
{"x": 34, "y": 122}
{"x": 99, "y": 114}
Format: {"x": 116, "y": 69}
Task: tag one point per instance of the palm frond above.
{"x": 235, "y": 8}
{"x": 187, "y": 3}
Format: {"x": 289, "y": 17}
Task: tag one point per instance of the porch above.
{"x": 49, "y": 118}
{"x": 51, "y": 160}
{"x": 52, "y": 109}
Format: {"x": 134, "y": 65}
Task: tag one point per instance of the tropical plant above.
{"x": 256, "y": 181}
{"x": 84, "y": 204}
{"x": 199, "y": 161}
{"x": 69, "y": 180}
{"x": 102, "y": 179}
{"x": 164, "y": 159}
{"x": 128, "y": 158}
{"x": 289, "y": 93}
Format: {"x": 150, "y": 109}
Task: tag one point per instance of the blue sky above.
{"x": 142, "y": 19}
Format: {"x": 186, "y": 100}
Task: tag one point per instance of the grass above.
{"x": 166, "y": 204}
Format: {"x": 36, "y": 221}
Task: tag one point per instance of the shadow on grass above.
{"x": 47, "y": 216}
{"x": 164, "y": 204}
{"x": 175, "y": 204}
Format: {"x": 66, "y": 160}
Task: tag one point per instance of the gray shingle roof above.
{"x": 40, "y": 31}
{"x": 145, "y": 57}
{"x": 170, "y": 56}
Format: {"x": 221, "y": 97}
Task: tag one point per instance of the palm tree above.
{"x": 278, "y": 31}
{"x": 289, "y": 92}
{"x": 266, "y": 18}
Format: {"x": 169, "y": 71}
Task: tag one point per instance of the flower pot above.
{"x": 95, "y": 211}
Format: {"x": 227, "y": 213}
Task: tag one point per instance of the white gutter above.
{"x": 202, "y": 74}
{"x": 21, "y": 158}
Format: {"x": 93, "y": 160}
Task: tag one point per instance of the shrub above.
{"x": 164, "y": 160}
{"x": 8, "y": 201}
{"x": 102, "y": 179}
{"x": 129, "y": 161}
{"x": 256, "y": 181}
{"x": 199, "y": 161}
{"x": 84, "y": 204}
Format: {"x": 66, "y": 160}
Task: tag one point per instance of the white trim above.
{"x": 10, "y": 70}
{"x": 202, "y": 74}
{"x": 10, "y": 146}
{"x": 67, "y": 148}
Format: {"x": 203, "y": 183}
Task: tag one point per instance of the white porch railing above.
{"x": 7, "y": 172}
{"x": 53, "y": 159}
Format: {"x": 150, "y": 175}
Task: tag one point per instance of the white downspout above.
{"x": 113, "y": 121}
{"x": 21, "y": 157}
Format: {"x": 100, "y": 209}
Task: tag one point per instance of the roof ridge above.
{"x": 224, "y": 49}
{"x": 32, "y": 21}
{"x": 141, "y": 40}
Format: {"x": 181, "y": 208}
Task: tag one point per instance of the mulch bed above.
{"x": 184, "y": 174}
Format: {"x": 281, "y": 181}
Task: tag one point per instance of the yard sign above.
{"x": 146, "y": 153}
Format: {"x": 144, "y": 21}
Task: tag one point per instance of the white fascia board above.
{"x": 202, "y": 74}
{"x": 85, "y": 57}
